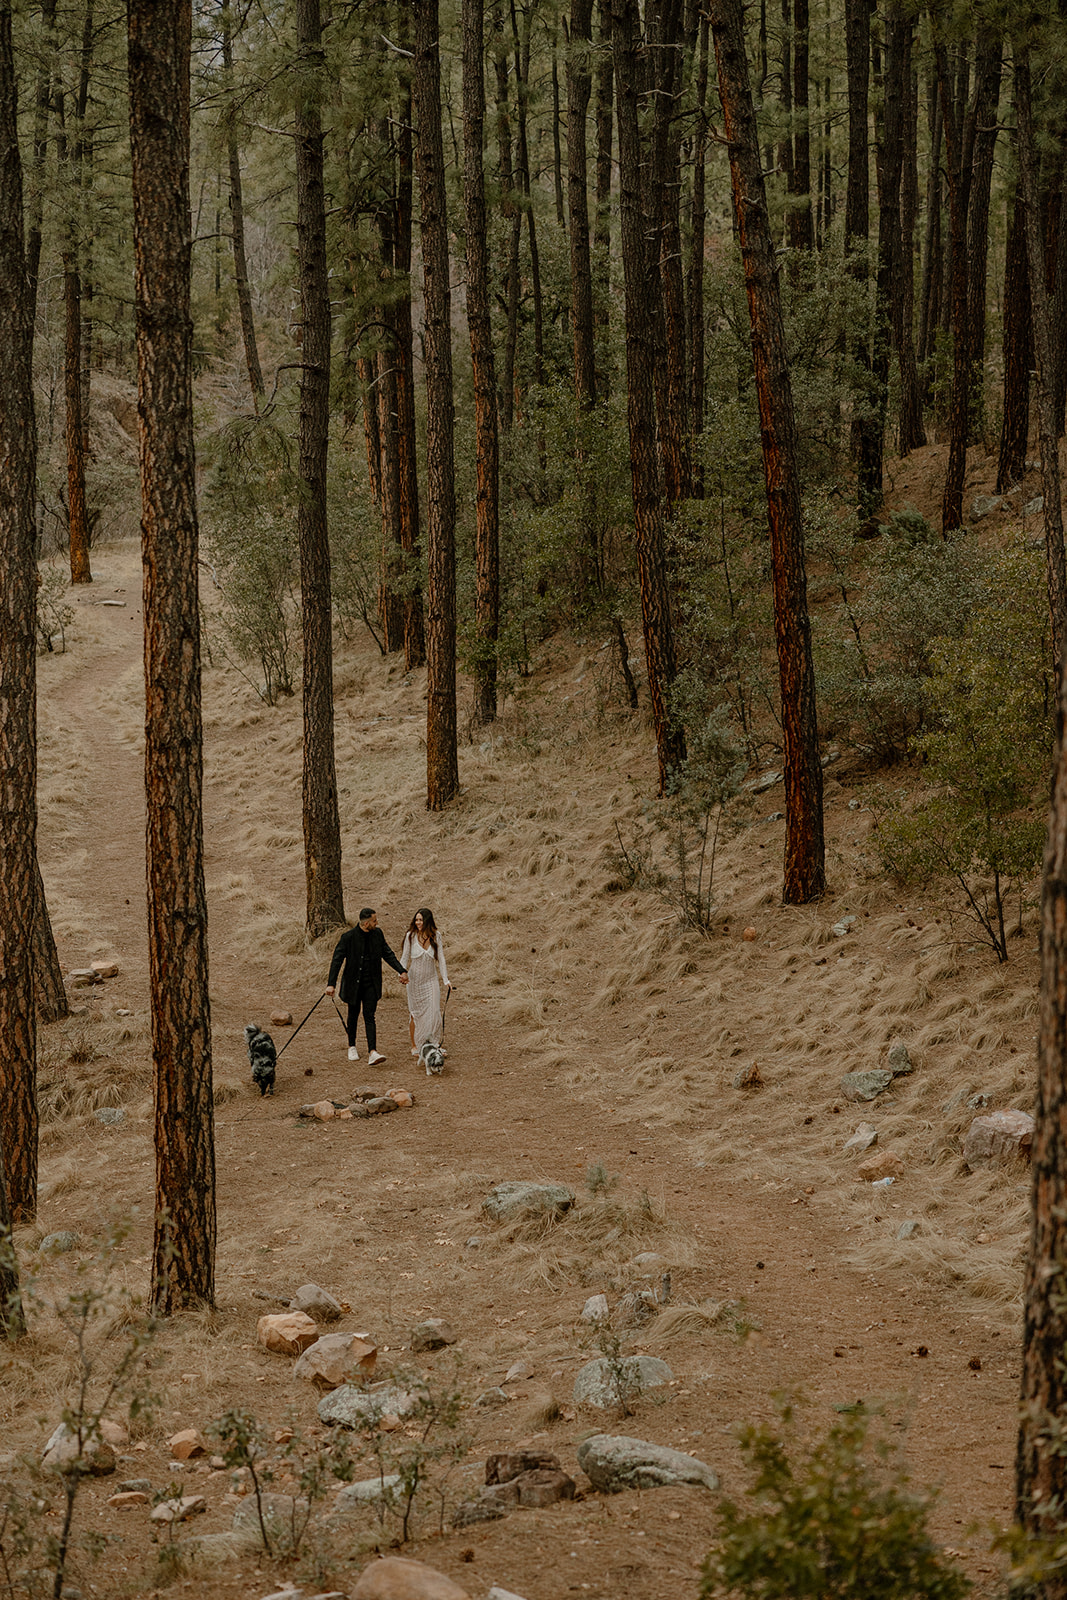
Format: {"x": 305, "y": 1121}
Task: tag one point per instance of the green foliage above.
{"x": 598, "y": 1180}
{"x": 987, "y": 750}
{"x": 837, "y": 1521}
{"x": 54, "y": 613}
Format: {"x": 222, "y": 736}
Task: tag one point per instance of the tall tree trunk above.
{"x": 641, "y": 276}
{"x": 322, "y": 824}
{"x": 12, "y": 1315}
{"x": 805, "y": 874}
{"x": 86, "y": 168}
{"x": 857, "y": 228}
{"x": 557, "y": 147}
{"x": 513, "y": 213}
{"x": 800, "y": 216}
{"x": 697, "y": 230}
{"x": 391, "y": 608}
{"x": 1017, "y": 343}
{"x": 183, "y": 1256}
{"x": 930, "y": 273}
{"x": 372, "y": 434}
{"x": 442, "y": 759}
{"x": 785, "y": 94}
{"x": 18, "y": 680}
{"x": 959, "y": 150}
{"x": 70, "y": 154}
{"x": 579, "y": 91}
{"x": 486, "y": 437}
{"x": 673, "y": 409}
{"x": 524, "y": 181}
{"x": 912, "y": 435}
{"x": 987, "y": 96}
{"x": 887, "y": 279}
{"x": 410, "y": 535}
{"x": 50, "y": 995}
{"x": 604, "y": 115}
{"x": 237, "y": 220}
{"x": 42, "y": 104}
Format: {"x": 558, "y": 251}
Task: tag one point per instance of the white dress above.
{"x": 423, "y": 987}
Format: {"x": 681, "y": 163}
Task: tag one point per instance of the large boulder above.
{"x": 286, "y": 1333}
{"x": 316, "y": 1302}
{"x": 334, "y": 1358}
{"x": 599, "y": 1382}
{"x": 613, "y": 1462}
{"x": 509, "y": 1202}
{"x": 1000, "y": 1136}
{"x": 349, "y": 1407}
{"x": 396, "y": 1579}
{"x": 284, "y": 1519}
{"x": 367, "y": 1492}
{"x": 63, "y": 1454}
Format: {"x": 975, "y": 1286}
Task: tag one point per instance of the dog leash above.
{"x": 340, "y": 1014}
{"x": 444, "y": 1010}
{"x": 296, "y": 1030}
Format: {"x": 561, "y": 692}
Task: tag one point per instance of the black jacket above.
{"x": 358, "y": 951}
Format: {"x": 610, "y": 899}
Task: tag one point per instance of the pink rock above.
{"x": 187, "y": 1445}
{"x": 281, "y": 1019}
{"x": 396, "y": 1579}
{"x": 886, "y": 1164}
{"x": 334, "y": 1358}
{"x": 286, "y": 1333}
{"x": 1000, "y": 1136}
{"x": 128, "y": 1499}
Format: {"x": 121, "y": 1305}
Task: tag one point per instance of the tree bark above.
{"x": 673, "y": 399}
{"x": 805, "y": 875}
{"x": 442, "y": 758}
{"x": 77, "y": 510}
{"x": 583, "y": 327}
{"x": 372, "y": 436}
{"x": 486, "y": 436}
{"x": 887, "y": 276}
{"x": 641, "y": 276}
{"x": 930, "y": 274}
{"x": 959, "y": 150}
{"x": 414, "y": 635}
{"x": 800, "y": 214}
{"x": 988, "y": 60}
{"x": 49, "y": 992}
{"x": 605, "y": 116}
{"x": 697, "y": 231}
{"x": 912, "y": 435}
{"x": 12, "y": 1316}
{"x": 1017, "y": 342}
{"x": 183, "y": 1259}
{"x": 857, "y": 228}
{"x": 322, "y": 824}
{"x": 237, "y": 220}
{"x": 391, "y": 600}
{"x": 18, "y": 673}
{"x": 41, "y": 109}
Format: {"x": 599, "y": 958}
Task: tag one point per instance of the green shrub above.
{"x": 837, "y": 1521}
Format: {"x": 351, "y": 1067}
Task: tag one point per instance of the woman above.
{"x": 423, "y": 958}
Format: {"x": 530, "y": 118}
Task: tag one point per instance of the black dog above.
{"x": 262, "y": 1057}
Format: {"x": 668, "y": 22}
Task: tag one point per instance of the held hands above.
{"x": 403, "y": 977}
{"x": 329, "y": 988}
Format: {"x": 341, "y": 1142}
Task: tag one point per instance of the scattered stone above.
{"x": 215, "y": 1549}
{"x": 909, "y": 1229}
{"x": 135, "y": 1486}
{"x": 61, "y": 1454}
{"x": 286, "y": 1333}
{"x": 749, "y": 934}
{"x": 634, "y": 1310}
{"x": 334, "y": 1358}
{"x": 765, "y": 781}
{"x": 497, "y": 1593}
{"x": 110, "y": 1116}
{"x": 885, "y": 1164}
{"x": 595, "y": 1309}
{"x": 898, "y": 1060}
{"x": 127, "y": 1498}
{"x": 841, "y": 929}
{"x": 599, "y": 1381}
{"x": 487, "y": 1506}
{"x": 403, "y": 1097}
{"x": 179, "y": 1510}
{"x": 281, "y": 1019}
{"x": 349, "y": 1407}
{"x": 613, "y": 1462}
{"x": 541, "y": 1409}
{"x": 83, "y": 978}
{"x": 865, "y": 1085}
{"x": 393, "y": 1578}
{"x": 473, "y": 1243}
{"x": 321, "y": 1110}
{"x": 865, "y": 1135}
{"x": 978, "y": 1102}
{"x": 188, "y": 1445}
{"x": 432, "y": 1334}
{"x": 1034, "y": 508}
{"x": 279, "y": 1512}
{"x": 1001, "y": 1136}
{"x": 518, "y": 1372}
{"x": 650, "y": 1261}
{"x": 58, "y": 1244}
{"x": 316, "y": 1302}
{"x": 508, "y": 1202}
{"x": 288, "y": 1593}
{"x": 983, "y": 504}
{"x": 506, "y": 1465}
{"x": 490, "y": 1398}
{"x": 367, "y": 1491}
{"x": 116, "y": 1434}
{"x": 749, "y": 1077}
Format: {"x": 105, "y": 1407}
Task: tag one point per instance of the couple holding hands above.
{"x": 360, "y": 952}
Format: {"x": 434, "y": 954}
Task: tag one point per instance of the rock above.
{"x": 983, "y": 504}
{"x": 508, "y": 1202}
{"x": 367, "y": 1491}
{"x": 127, "y": 1498}
{"x": 280, "y": 1511}
{"x": 1034, "y": 508}
{"x": 396, "y": 1579}
{"x": 321, "y": 1110}
{"x": 349, "y": 1407}
{"x": 334, "y": 1358}
{"x": 650, "y": 1261}
{"x": 865, "y": 1085}
{"x": 381, "y": 1104}
{"x": 749, "y": 1077}
{"x": 105, "y": 969}
{"x": 865, "y": 1135}
{"x": 634, "y": 1310}
{"x": 188, "y": 1445}
{"x": 898, "y": 1060}
{"x": 507, "y": 1465}
{"x": 61, "y": 1453}
{"x": 82, "y": 978}
{"x": 841, "y": 929}
{"x": 487, "y": 1506}
{"x": 497, "y": 1593}
{"x": 178, "y": 1510}
{"x": 595, "y": 1309}
{"x": 214, "y": 1549}
{"x": 403, "y": 1097}
{"x": 885, "y": 1164}
{"x": 749, "y": 935}
{"x": 765, "y": 781}
{"x": 979, "y": 1101}
{"x": 544, "y": 1486}
{"x": 598, "y": 1382}
{"x": 116, "y": 1434}
{"x": 473, "y": 1243}
{"x": 518, "y": 1372}
{"x": 490, "y": 1398}
{"x": 541, "y": 1409}
{"x": 909, "y": 1229}
{"x": 613, "y": 1462}
{"x": 286, "y": 1333}
{"x": 281, "y": 1019}
{"x": 58, "y": 1244}
{"x": 432, "y": 1334}
{"x": 316, "y": 1302}
{"x": 110, "y": 1116}
{"x": 135, "y": 1486}
{"x": 1001, "y": 1136}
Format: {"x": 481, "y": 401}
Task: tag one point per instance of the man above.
{"x": 361, "y": 951}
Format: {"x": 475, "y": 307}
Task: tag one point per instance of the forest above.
{"x": 722, "y": 346}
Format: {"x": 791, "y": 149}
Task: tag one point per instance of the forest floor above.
{"x": 584, "y": 1029}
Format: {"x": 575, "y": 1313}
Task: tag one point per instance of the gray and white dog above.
{"x": 433, "y": 1058}
{"x": 262, "y": 1057}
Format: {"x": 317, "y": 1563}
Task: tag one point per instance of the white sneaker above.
{"x": 374, "y": 1058}
{"x": 353, "y": 1053}
{"x": 414, "y": 1051}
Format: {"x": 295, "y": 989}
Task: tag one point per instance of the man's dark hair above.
{"x": 368, "y": 911}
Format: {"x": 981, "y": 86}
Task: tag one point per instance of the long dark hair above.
{"x": 428, "y": 926}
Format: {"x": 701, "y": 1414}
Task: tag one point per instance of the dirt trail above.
{"x": 382, "y": 1212}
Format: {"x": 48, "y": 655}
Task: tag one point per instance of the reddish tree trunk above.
{"x": 605, "y": 83}
{"x": 805, "y": 873}
{"x": 1018, "y": 352}
{"x": 912, "y": 433}
{"x": 414, "y": 636}
{"x": 800, "y": 215}
{"x": 959, "y": 148}
{"x": 237, "y": 222}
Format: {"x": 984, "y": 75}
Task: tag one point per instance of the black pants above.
{"x": 367, "y": 1001}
